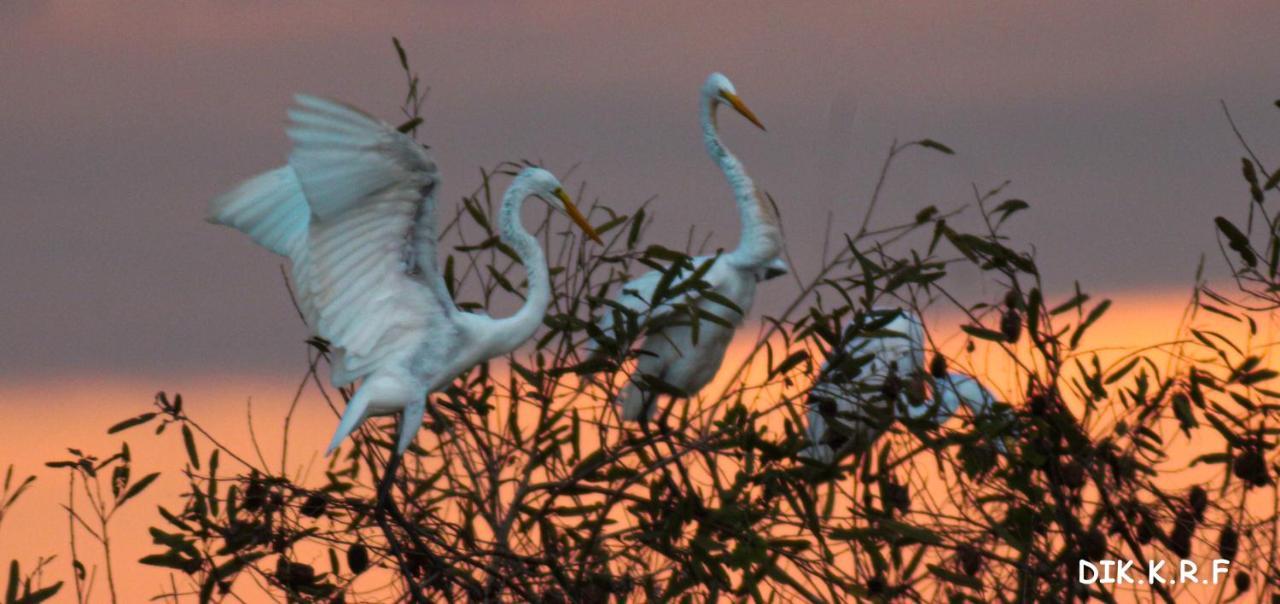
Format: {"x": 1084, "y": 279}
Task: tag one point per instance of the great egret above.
{"x": 669, "y": 353}
{"x": 354, "y": 211}
{"x": 860, "y": 388}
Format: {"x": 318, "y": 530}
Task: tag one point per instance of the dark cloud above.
{"x": 118, "y": 122}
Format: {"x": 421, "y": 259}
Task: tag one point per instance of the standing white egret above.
{"x": 354, "y": 211}
{"x": 669, "y": 352}
{"x": 859, "y": 388}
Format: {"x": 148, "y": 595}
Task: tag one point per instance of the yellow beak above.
{"x": 577, "y": 216}
{"x": 742, "y": 108}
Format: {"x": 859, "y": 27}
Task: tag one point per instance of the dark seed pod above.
{"x": 295, "y": 575}
{"x": 1011, "y": 299}
{"x": 875, "y": 585}
{"x": 1011, "y": 325}
{"x": 554, "y": 596}
{"x": 1093, "y": 545}
{"x": 915, "y": 390}
{"x": 622, "y": 585}
{"x": 1242, "y": 582}
{"x": 1251, "y": 466}
{"x": 1199, "y": 500}
{"x": 1073, "y": 475}
{"x": 358, "y": 558}
{"x": 1039, "y": 404}
{"x": 826, "y": 406}
{"x": 969, "y": 560}
{"x": 835, "y": 437}
{"x": 1147, "y": 528}
{"x": 1183, "y": 529}
{"x": 891, "y": 387}
{"x": 314, "y": 506}
{"x": 254, "y": 495}
{"x": 904, "y": 500}
{"x": 1228, "y": 543}
{"x": 1144, "y": 533}
{"x": 938, "y": 367}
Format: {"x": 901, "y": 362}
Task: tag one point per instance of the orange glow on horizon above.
{"x": 46, "y": 415}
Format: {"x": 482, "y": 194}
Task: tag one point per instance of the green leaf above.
{"x": 1075, "y": 302}
{"x": 1251, "y": 175}
{"x": 926, "y": 214}
{"x": 935, "y": 145}
{"x": 1236, "y": 240}
{"x": 983, "y": 333}
{"x": 404, "y": 59}
{"x": 789, "y": 363}
{"x": 1183, "y": 411}
{"x": 661, "y": 253}
{"x": 11, "y": 592}
{"x": 190, "y": 442}
{"x": 956, "y": 578}
{"x": 633, "y": 233}
{"x": 1273, "y": 181}
{"x": 1009, "y": 207}
{"x": 131, "y": 422}
{"x": 1094, "y": 315}
{"x": 42, "y": 594}
{"x": 409, "y": 125}
{"x": 1254, "y": 377}
{"x": 137, "y": 488}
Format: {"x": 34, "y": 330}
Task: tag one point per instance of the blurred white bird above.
{"x": 669, "y": 352}
{"x": 860, "y": 388}
{"x": 354, "y": 211}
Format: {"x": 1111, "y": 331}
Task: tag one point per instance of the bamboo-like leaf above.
{"x": 131, "y": 422}
{"x": 137, "y": 488}
{"x": 929, "y": 143}
{"x": 190, "y": 442}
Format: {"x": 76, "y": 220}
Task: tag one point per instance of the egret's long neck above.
{"x": 516, "y": 329}
{"x": 761, "y": 238}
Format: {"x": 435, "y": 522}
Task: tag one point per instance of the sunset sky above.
{"x": 120, "y": 120}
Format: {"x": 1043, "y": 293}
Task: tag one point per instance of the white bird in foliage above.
{"x": 860, "y": 389}
{"x": 354, "y": 211}
{"x": 673, "y": 352}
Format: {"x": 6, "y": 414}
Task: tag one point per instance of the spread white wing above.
{"x": 371, "y": 191}
{"x": 354, "y": 210}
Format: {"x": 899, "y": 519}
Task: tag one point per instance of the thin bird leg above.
{"x": 380, "y": 515}
{"x": 387, "y": 505}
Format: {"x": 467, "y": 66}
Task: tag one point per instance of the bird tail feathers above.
{"x": 357, "y": 411}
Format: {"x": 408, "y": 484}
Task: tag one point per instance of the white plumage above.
{"x": 354, "y": 211}
{"x": 668, "y": 352}
{"x": 861, "y": 388}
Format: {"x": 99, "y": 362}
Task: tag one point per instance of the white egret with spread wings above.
{"x": 880, "y": 370}
{"x": 673, "y": 353}
{"x": 354, "y": 211}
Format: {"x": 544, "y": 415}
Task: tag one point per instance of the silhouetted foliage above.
{"x": 527, "y": 487}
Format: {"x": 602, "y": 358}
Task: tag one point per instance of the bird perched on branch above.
{"x": 688, "y": 314}
{"x": 354, "y": 211}
{"x": 880, "y": 369}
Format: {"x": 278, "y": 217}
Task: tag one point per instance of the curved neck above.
{"x": 510, "y": 332}
{"x": 761, "y": 238}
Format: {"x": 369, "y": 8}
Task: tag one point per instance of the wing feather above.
{"x": 269, "y": 208}
{"x": 369, "y": 189}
